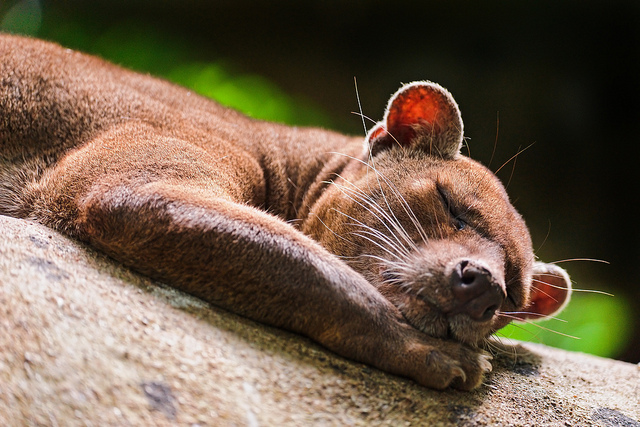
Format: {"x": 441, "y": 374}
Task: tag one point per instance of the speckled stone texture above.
{"x": 84, "y": 341}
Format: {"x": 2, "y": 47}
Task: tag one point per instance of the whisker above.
{"x": 546, "y": 293}
{"x": 329, "y": 228}
{"x": 407, "y": 209}
{"x": 489, "y": 346}
{"x": 397, "y": 225}
{"x": 593, "y": 291}
{"x": 545, "y": 237}
{"x": 538, "y": 326}
{"x": 581, "y": 259}
{"x": 385, "y": 220}
{"x": 523, "y": 329}
{"x": 389, "y": 216}
{"x": 513, "y": 157}
{"x": 377, "y": 244}
{"x": 363, "y": 116}
{"x": 377, "y": 234}
{"x": 465, "y": 141}
{"x": 396, "y": 264}
{"x": 400, "y": 249}
{"x": 588, "y": 291}
{"x": 405, "y": 205}
{"x": 495, "y": 143}
{"x": 513, "y": 169}
{"x": 542, "y": 316}
{"x": 500, "y": 347}
{"x": 355, "y": 84}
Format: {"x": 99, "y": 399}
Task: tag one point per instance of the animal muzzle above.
{"x": 476, "y": 291}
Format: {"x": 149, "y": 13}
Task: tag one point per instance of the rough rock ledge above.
{"x": 84, "y": 341}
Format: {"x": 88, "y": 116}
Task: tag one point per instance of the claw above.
{"x": 484, "y": 362}
{"x": 459, "y": 372}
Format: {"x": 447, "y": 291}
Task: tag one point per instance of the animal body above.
{"x": 396, "y": 250}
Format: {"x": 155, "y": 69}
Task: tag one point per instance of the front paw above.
{"x": 461, "y": 368}
{"x": 450, "y": 364}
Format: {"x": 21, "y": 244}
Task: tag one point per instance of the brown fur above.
{"x": 299, "y": 228}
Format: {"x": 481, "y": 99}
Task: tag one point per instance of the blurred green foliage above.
{"x": 139, "y": 46}
{"x": 24, "y": 17}
{"x": 593, "y": 323}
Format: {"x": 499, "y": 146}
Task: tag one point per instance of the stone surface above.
{"x": 84, "y": 341}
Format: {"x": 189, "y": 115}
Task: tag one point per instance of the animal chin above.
{"x": 468, "y": 331}
{"x": 463, "y": 329}
{"x": 436, "y": 323}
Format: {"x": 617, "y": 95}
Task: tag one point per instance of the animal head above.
{"x": 432, "y": 229}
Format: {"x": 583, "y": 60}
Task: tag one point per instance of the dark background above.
{"x": 561, "y": 75}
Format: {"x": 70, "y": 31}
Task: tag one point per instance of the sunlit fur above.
{"x": 406, "y": 243}
{"x": 299, "y": 228}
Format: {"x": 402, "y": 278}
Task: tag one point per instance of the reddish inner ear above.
{"x": 377, "y": 132}
{"x": 418, "y": 106}
{"x": 423, "y": 116}
{"x": 549, "y": 292}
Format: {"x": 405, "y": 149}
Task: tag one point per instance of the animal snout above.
{"x": 476, "y": 292}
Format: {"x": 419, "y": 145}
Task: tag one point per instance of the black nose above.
{"x": 475, "y": 290}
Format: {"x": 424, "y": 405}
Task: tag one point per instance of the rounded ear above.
{"x": 420, "y": 115}
{"x": 550, "y": 292}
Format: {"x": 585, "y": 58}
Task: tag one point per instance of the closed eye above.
{"x": 445, "y": 197}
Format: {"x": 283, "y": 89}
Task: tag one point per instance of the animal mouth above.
{"x": 480, "y": 309}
